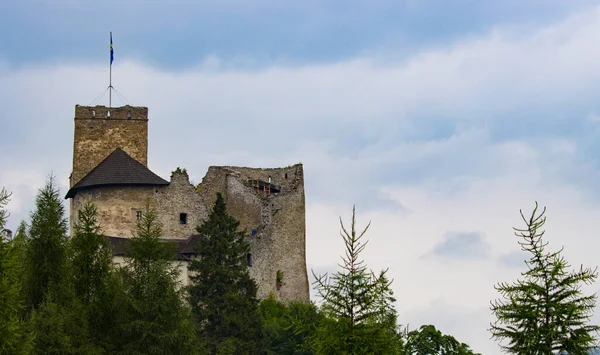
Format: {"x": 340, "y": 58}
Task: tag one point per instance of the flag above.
{"x": 112, "y": 52}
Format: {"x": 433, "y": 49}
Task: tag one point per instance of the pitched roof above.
{"x": 185, "y": 247}
{"x": 117, "y": 169}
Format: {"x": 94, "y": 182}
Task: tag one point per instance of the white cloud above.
{"x": 362, "y": 129}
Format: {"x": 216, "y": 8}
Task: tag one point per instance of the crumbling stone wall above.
{"x": 279, "y": 220}
{"x": 97, "y": 134}
{"x": 180, "y": 196}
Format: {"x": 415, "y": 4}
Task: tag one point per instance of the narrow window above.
{"x": 249, "y": 259}
{"x": 286, "y": 176}
{"x": 269, "y": 179}
{"x": 138, "y": 215}
{"x": 183, "y": 218}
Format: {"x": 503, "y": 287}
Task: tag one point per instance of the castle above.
{"x": 110, "y": 168}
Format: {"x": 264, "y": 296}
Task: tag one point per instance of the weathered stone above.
{"x": 274, "y": 219}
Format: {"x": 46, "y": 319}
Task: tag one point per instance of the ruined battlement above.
{"x": 114, "y": 113}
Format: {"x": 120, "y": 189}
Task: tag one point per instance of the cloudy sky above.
{"x": 438, "y": 119}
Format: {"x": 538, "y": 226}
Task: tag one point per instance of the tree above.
{"x": 93, "y": 278}
{"x": 14, "y": 336}
{"x": 46, "y": 249}
{"x": 427, "y": 340}
{"x": 222, "y": 294}
{"x": 288, "y": 327}
{"x": 545, "y": 313}
{"x": 157, "y": 320}
{"x": 357, "y": 304}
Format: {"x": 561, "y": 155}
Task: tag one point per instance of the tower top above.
{"x": 126, "y": 112}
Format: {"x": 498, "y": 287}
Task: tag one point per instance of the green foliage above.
{"x": 93, "y": 279}
{"x": 427, "y": 340}
{"x": 91, "y": 256}
{"x": 14, "y": 337}
{"x": 222, "y": 294}
{"x": 157, "y": 320}
{"x": 357, "y": 304}
{"x": 46, "y": 249}
{"x": 61, "y": 328}
{"x": 546, "y": 312}
{"x": 287, "y": 327}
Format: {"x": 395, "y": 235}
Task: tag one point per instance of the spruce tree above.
{"x": 46, "y": 248}
{"x": 157, "y": 320}
{"x": 222, "y": 294}
{"x": 93, "y": 277}
{"x": 14, "y": 337}
{"x": 358, "y": 305}
{"x": 546, "y": 312}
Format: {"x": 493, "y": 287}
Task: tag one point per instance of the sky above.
{"x": 439, "y": 120}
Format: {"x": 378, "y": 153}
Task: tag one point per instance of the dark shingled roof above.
{"x": 185, "y": 247}
{"x": 118, "y": 169}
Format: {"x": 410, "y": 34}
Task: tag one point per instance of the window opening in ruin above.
{"x": 138, "y": 215}
{"x": 183, "y": 218}
{"x": 249, "y": 259}
{"x": 108, "y": 114}
{"x": 269, "y": 179}
{"x": 286, "y": 176}
{"x": 129, "y": 114}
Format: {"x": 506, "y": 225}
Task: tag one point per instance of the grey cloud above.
{"x": 462, "y": 245}
{"x": 513, "y": 260}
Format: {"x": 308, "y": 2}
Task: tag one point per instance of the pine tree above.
{"x": 546, "y": 313}
{"x": 222, "y": 294}
{"x": 157, "y": 320}
{"x": 46, "y": 248}
{"x": 358, "y": 305}
{"x": 14, "y": 337}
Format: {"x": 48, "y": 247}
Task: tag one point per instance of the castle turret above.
{"x": 100, "y": 130}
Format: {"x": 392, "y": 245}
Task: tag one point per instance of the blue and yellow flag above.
{"x": 112, "y": 52}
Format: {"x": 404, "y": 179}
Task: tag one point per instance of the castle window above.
{"x": 183, "y": 218}
{"x": 269, "y": 179}
{"x": 249, "y": 259}
{"x": 138, "y": 215}
{"x": 286, "y": 176}
{"x": 129, "y": 114}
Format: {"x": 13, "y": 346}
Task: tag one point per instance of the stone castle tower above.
{"x": 110, "y": 167}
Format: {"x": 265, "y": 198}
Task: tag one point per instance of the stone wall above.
{"x": 97, "y": 135}
{"x": 178, "y": 197}
{"x": 117, "y": 207}
{"x": 279, "y": 221}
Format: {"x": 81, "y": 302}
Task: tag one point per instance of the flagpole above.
{"x": 110, "y": 74}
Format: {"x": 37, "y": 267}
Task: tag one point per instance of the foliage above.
{"x": 357, "y": 304}
{"x": 61, "y": 328}
{"x": 287, "y": 327}
{"x": 546, "y": 312}
{"x": 156, "y": 321}
{"x": 15, "y": 339}
{"x": 93, "y": 278}
{"x": 46, "y": 249}
{"x": 222, "y": 294}
{"x": 427, "y": 340}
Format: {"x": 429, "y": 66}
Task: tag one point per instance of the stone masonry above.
{"x": 269, "y": 203}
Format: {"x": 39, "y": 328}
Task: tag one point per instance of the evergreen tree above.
{"x": 427, "y": 340}
{"x": 288, "y": 327}
{"x": 157, "y": 320}
{"x": 93, "y": 277}
{"x": 46, "y": 249}
{"x": 358, "y": 305}
{"x": 14, "y": 337}
{"x": 222, "y": 294}
{"x": 546, "y": 313}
